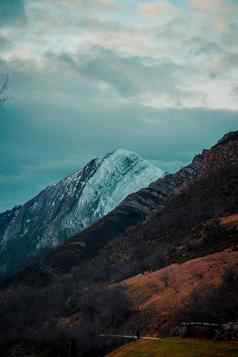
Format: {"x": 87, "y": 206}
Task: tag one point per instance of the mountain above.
{"x": 166, "y": 254}
{"x": 125, "y": 229}
{"x": 71, "y": 205}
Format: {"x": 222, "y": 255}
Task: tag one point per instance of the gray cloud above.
{"x": 129, "y": 76}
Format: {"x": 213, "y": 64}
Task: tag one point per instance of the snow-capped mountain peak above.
{"x": 71, "y": 205}
{"x": 117, "y": 175}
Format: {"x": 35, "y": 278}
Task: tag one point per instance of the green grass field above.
{"x": 178, "y": 347}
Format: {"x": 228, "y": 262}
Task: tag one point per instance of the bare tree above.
{"x": 3, "y": 88}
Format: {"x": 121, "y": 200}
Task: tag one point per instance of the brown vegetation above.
{"x": 167, "y": 296}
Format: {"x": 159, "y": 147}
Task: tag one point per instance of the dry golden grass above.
{"x": 169, "y": 289}
{"x": 230, "y": 221}
{"x": 177, "y": 347}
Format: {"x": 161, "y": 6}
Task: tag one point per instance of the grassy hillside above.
{"x": 177, "y": 347}
{"x": 159, "y": 295}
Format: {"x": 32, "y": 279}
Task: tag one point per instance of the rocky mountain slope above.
{"x": 133, "y": 231}
{"x": 71, "y": 205}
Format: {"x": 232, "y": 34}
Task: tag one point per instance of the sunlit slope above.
{"x": 176, "y": 347}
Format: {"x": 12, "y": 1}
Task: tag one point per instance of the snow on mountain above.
{"x": 117, "y": 175}
{"x": 71, "y": 205}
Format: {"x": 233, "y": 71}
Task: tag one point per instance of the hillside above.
{"x": 167, "y": 254}
{"x": 162, "y": 296}
{"x": 177, "y": 348}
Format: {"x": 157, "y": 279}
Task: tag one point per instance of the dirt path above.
{"x": 132, "y": 337}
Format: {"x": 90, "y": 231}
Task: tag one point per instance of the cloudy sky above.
{"x": 159, "y": 77}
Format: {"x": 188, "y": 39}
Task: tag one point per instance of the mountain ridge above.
{"x": 71, "y": 205}
{"x": 136, "y": 217}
